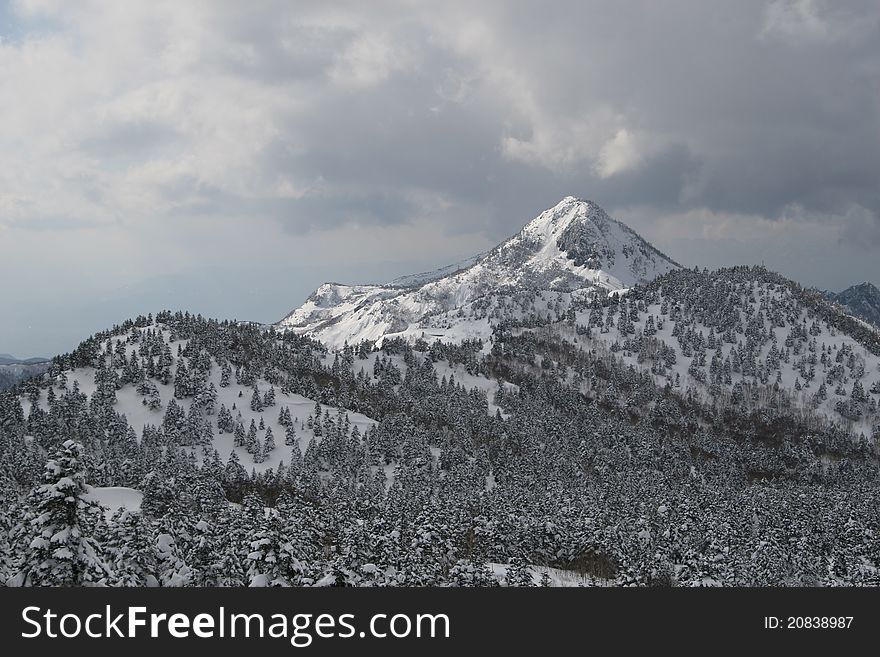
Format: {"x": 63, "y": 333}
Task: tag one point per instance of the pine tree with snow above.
{"x": 209, "y": 399}
{"x": 150, "y": 393}
{"x": 272, "y": 561}
{"x": 131, "y": 550}
{"x": 225, "y": 374}
{"x": 206, "y": 554}
{"x": 256, "y": 400}
{"x": 174, "y": 419}
{"x": 224, "y": 420}
{"x": 269, "y": 442}
{"x": 251, "y": 441}
{"x": 161, "y": 495}
{"x": 284, "y": 418}
{"x": 172, "y": 569}
{"x": 235, "y": 479}
{"x": 290, "y": 435}
{"x": 183, "y": 385}
{"x": 518, "y": 573}
{"x": 259, "y": 452}
{"x": 207, "y": 495}
{"x": 239, "y": 439}
{"x": 253, "y": 508}
{"x": 60, "y": 544}
{"x": 858, "y": 392}
{"x": 296, "y": 465}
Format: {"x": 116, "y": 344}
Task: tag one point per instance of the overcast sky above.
{"x": 227, "y": 157}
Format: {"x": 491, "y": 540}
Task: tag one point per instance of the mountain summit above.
{"x": 572, "y": 246}
{"x": 579, "y": 237}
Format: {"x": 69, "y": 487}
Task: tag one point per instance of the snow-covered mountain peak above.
{"x": 578, "y": 235}
{"x": 572, "y": 246}
{"x": 553, "y": 221}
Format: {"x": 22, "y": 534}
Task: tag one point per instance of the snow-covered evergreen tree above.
{"x": 58, "y": 540}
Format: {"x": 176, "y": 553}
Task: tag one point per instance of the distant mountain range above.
{"x": 14, "y": 370}
{"x": 862, "y": 301}
{"x": 9, "y": 359}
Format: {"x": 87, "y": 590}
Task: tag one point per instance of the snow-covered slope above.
{"x": 740, "y": 332}
{"x": 574, "y": 245}
{"x": 113, "y": 498}
{"x": 417, "y": 280}
{"x": 235, "y": 396}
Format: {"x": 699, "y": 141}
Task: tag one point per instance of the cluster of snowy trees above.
{"x": 588, "y": 465}
{"x": 739, "y": 329}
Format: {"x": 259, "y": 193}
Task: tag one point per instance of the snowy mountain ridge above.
{"x": 416, "y": 280}
{"x": 572, "y": 246}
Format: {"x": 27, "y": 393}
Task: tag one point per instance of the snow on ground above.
{"x": 113, "y": 498}
{"x": 415, "y": 280}
{"x": 447, "y": 327}
{"x": 558, "y": 578}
